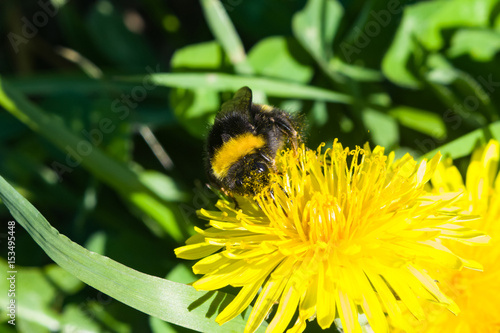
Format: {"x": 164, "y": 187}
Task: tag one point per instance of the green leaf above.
{"x": 423, "y": 25}
{"x": 181, "y": 274}
{"x": 159, "y": 326}
{"x": 57, "y": 84}
{"x": 97, "y": 242}
{"x": 206, "y": 55}
{"x": 33, "y": 295}
{"x": 315, "y": 28}
{"x": 108, "y": 170}
{"x": 162, "y": 185}
{"x": 357, "y": 73}
{"x": 448, "y": 80}
{"x": 316, "y": 25}
{"x": 62, "y": 279}
{"x": 229, "y": 82}
{"x": 91, "y": 316}
{"x": 480, "y": 44}
{"x": 282, "y": 58}
{"x": 420, "y": 120}
{"x": 466, "y": 144}
{"x": 223, "y": 29}
{"x": 225, "y": 33}
{"x": 195, "y": 108}
{"x": 173, "y": 302}
{"x": 319, "y": 114}
{"x": 383, "y": 128}
{"x": 75, "y": 319}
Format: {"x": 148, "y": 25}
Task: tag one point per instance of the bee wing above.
{"x": 242, "y": 101}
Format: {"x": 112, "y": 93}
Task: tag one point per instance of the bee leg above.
{"x": 270, "y": 163}
{"x": 236, "y": 204}
{"x": 230, "y": 196}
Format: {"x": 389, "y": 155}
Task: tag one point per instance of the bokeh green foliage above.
{"x": 413, "y": 76}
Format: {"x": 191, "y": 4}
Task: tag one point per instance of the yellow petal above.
{"x": 388, "y": 300}
{"x": 326, "y": 300}
{"x": 221, "y": 276}
{"x": 240, "y": 302}
{"x": 400, "y": 287}
{"x": 211, "y": 263}
{"x": 196, "y": 251}
{"x": 269, "y": 294}
{"x": 307, "y": 306}
{"x": 371, "y": 304}
{"x": 286, "y": 309}
{"x": 490, "y": 160}
{"x": 347, "y": 312}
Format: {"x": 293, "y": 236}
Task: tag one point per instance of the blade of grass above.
{"x": 47, "y": 85}
{"x": 109, "y": 171}
{"x": 225, "y": 33}
{"x": 464, "y": 145}
{"x": 223, "y": 29}
{"x": 229, "y": 82}
{"x": 170, "y": 301}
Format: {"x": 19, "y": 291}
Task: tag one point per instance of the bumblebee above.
{"x": 243, "y": 142}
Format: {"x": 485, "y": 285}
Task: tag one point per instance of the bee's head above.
{"x": 251, "y": 174}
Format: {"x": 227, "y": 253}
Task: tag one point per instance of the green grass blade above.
{"x": 54, "y": 84}
{"x": 170, "y": 301}
{"x": 226, "y": 35}
{"x": 223, "y": 29}
{"x": 108, "y": 170}
{"x": 229, "y": 82}
{"x": 464, "y": 145}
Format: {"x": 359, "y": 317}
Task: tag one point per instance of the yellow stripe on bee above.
{"x": 233, "y": 150}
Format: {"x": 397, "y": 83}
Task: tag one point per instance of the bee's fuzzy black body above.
{"x": 243, "y": 142}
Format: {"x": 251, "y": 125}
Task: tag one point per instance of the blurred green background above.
{"x": 104, "y": 106}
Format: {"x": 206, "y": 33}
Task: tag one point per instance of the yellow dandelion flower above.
{"x": 476, "y": 293}
{"x": 336, "y": 234}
